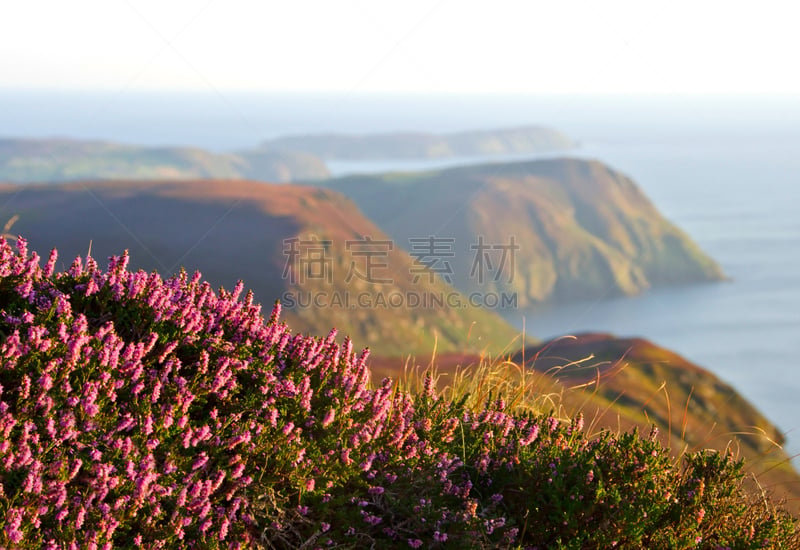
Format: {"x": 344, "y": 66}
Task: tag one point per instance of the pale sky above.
{"x": 593, "y": 46}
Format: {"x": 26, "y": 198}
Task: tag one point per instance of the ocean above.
{"x": 726, "y": 169}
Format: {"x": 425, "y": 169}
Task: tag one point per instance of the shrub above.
{"x": 142, "y": 412}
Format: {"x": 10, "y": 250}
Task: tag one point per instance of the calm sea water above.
{"x": 725, "y": 169}
{"x": 738, "y": 199}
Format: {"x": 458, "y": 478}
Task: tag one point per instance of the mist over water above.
{"x": 231, "y": 120}
{"x": 725, "y": 169}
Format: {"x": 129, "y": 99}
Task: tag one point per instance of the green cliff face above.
{"x": 580, "y": 230}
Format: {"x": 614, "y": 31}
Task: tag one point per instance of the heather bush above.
{"x": 142, "y": 412}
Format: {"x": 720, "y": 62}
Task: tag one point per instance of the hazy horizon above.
{"x": 235, "y": 120}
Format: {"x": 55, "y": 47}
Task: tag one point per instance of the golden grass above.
{"x": 482, "y": 379}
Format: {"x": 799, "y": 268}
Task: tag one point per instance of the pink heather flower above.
{"x": 237, "y": 471}
{"x": 530, "y": 437}
{"x": 428, "y": 386}
{"x": 127, "y": 447}
{"x": 186, "y": 438}
{"x": 156, "y": 392}
{"x": 63, "y": 306}
{"x": 272, "y": 417}
{"x": 439, "y": 537}
{"x": 75, "y": 468}
{"x": 181, "y": 500}
{"x": 200, "y": 462}
{"x": 329, "y": 417}
{"x": 204, "y": 432}
{"x": 310, "y": 483}
{"x": 79, "y": 518}
{"x": 51, "y": 264}
{"x": 62, "y": 514}
{"x": 371, "y": 519}
{"x": 223, "y": 529}
{"x": 204, "y": 511}
{"x": 91, "y": 287}
{"x": 13, "y": 523}
{"x": 33, "y": 482}
{"x": 414, "y": 543}
{"x": 376, "y": 491}
{"x": 25, "y": 387}
{"x": 366, "y": 465}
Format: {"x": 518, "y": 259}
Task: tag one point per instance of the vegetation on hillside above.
{"x": 142, "y": 412}
{"x": 557, "y": 230}
{"x": 290, "y": 242}
{"x": 57, "y": 160}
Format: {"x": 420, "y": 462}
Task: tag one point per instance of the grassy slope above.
{"x": 26, "y": 160}
{"x": 584, "y": 230}
{"x": 236, "y": 229}
{"x": 621, "y": 384}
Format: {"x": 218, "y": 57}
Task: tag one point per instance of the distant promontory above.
{"x": 291, "y": 158}
{"x": 420, "y": 145}
{"x": 552, "y": 230}
{"x": 61, "y": 159}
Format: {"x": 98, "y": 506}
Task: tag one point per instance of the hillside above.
{"x": 55, "y": 160}
{"x": 145, "y": 412}
{"x": 578, "y": 229}
{"x": 231, "y": 230}
{"x": 419, "y": 145}
{"x": 630, "y": 372}
{"x": 627, "y": 383}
